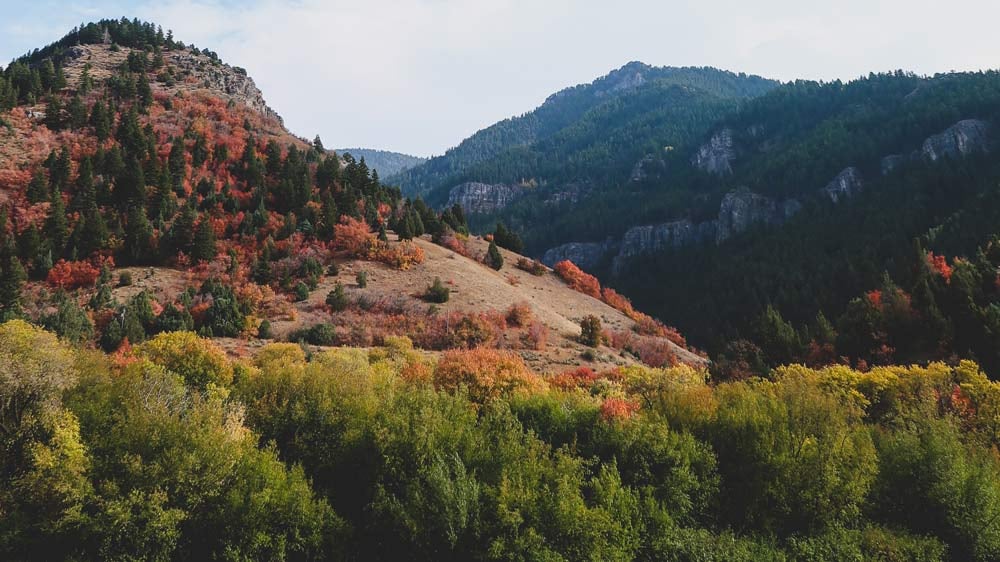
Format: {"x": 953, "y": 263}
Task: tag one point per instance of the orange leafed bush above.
{"x": 939, "y": 265}
{"x": 519, "y": 314}
{"x": 577, "y": 279}
{"x": 533, "y": 267}
{"x": 72, "y": 274}
{"x": 614, "y": 408}
{"x": 486, "y": 374}
{"x": 351, "y": 236}
{"x": 581, "y": 377}
{"x": 402, "y": 256}
{"x": 618, "y": 301}
{"x": 536, "y": 336}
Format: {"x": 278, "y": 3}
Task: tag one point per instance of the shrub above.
{"x": 337, "y": 299}
{"x": 351, "y": 236}
{"x": 577, "y": 279}
{"x": 199, "y": 361}
{"x": 519, "y": 314}
{"x": 362, "y": 279}
{"x": 533, "y": 267}
{"x": 125, "y": 279}
{"x": 264, "y": 330}
{"x": 536, "y": 336}
{"x": 72, "y": 275}
{"x": 301, "y": 291}
{"x": 486, "y": 374}
{"x": 493, "y": 257}
{"x": 437, "y": 292}
{"x": 590, "y": 331}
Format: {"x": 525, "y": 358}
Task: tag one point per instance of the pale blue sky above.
{"x": 420, "y": 75}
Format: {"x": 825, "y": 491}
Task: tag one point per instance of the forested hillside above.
{"x": 385, "y": 162}
{"x": 586, "y": 133}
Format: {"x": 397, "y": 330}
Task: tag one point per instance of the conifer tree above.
{"x": 138, "y": 237}
{"x": 493, "y": 257}
{"x": 38, "y": 189}
{"x": 12, "y": 277}
{"x": 204, "y": 241}
{"x": 56, "y": 227}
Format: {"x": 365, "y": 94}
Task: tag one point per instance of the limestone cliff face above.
{"x": 476, "y": 197}
{"x": 230, "y": 80}
{"x": 742, "y": 208}
{"x": 717, "y": 155}
{"x": 845, "y": 185}
{"x": 587, "y": 255}
{"x": 961, "y": 139}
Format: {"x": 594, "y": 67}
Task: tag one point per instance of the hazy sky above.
{"x": 418, "y": 76}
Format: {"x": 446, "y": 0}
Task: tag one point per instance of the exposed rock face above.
{"x": 847, "y": 183}
{"x": 232, "y": 81}
{"x": 641, "y": 240}
{"x": 587, "y": 255}
{"x": 742, "y": 208}
{"x": 716, "y": 156}
{"x": 476, "y": 197}
{"x": 961, "y": 139}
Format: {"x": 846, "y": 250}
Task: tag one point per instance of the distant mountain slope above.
{"x": 593, "y": 126}
{"x": 386, "y": 162}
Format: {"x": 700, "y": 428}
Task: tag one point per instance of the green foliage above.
{"x": 437, "y": 292}
{"x": 336, "y": 299}
{"x": 493, "y": 257}
{"x": 361, "y": 278}
{"x": 591, "y": 331}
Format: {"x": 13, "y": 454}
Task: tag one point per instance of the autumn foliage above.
{"x": 486, "y": 374}
{"x": 72, "y": 274}
{"x": 577, "y": 279}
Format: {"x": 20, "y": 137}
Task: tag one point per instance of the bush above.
{"x": 437, "y": 292}
{"x": 362, "y": 279}
{"x": 519, "y": 314}
{"x": 577, "y": 279}
{"x": 590, "y": 331}
{"x": 486, "y": 374}
{"x": 301, "y": 291}
{"x": 337, "y": 299}
{"x": 199, "y": 361}
{"x": 493, "y": 257}
{"x": 125, "y": 279}
{"x": 264, "y": 330}
{"x": 533, "y": 267}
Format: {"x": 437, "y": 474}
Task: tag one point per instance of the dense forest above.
{"x": 905, "y": 271}
{"x": 170, "y": 450}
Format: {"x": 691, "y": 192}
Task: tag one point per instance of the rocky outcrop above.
{"x": 476, "y": 197}
{"x": 230, "y": 80}
{"x": 587, "y": 255}
{"x": 717, "y": 155}
{"x": 961, "y": 139}
{"x": 847, "y": 183}
{"x": 743, "y": 208}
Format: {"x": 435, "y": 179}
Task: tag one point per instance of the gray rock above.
{"x": 961, "y": 139}
{"x": 587, "y": 255}
{"x": 643, "y": 240}
{"x": 743, "y": 208}
{"x": 847, "y": 183}
{"x": 224, "y": 78}
{"x": 717, "y": 155}
{"x": 477, "y": 197}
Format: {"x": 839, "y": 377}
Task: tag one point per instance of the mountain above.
{"x": 219, "y": 340}
{"x": 582, "y": 138}
{"x": 385, "y": 162}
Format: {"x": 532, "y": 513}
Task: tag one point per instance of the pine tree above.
{"x": 130, "y": 185}
{"x": 38, "y": 189}
{"x": 138, "y": 237}
{"x": 12, "y": 278}
{"x": 204, "y": 241}
{"x": 100, "y": 120}
{"x": 56, "y": 227}
{"x": 85, "y": 196}
{"x": 54, "y": 113}
{"x": 493, "y": 257}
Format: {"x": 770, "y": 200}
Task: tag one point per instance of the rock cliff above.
{"x": 476, "y": 197}
{"x": 845, "y": 185}
{"x": 961, "y": 139}
{"x": 717, "y": 155}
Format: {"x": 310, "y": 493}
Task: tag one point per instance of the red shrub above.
{"x": 351, "y": 236}
{"x": 581, "y": 377}
{"x": 614, "y": 408}
{"x": 939, "y": 265}
{"x": 72, "y": 275}
{"x": 536, "y": 336}
{"x": 519, "y": 314}
{"x": 577, "y": 279}
{"x": 485, "y": 373}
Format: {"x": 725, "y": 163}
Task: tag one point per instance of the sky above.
{"x": 418, "y": 76}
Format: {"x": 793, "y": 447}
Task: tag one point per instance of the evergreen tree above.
{"x": 38, "y": 189}
{"x": 138, "y": 247}
{"x": 130, "y": 185}
{"x": 493, "y": 257}
{"x": 56, "y": 227}
{"x": 204, "y": 241}
{"x": 12, "y": 278}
